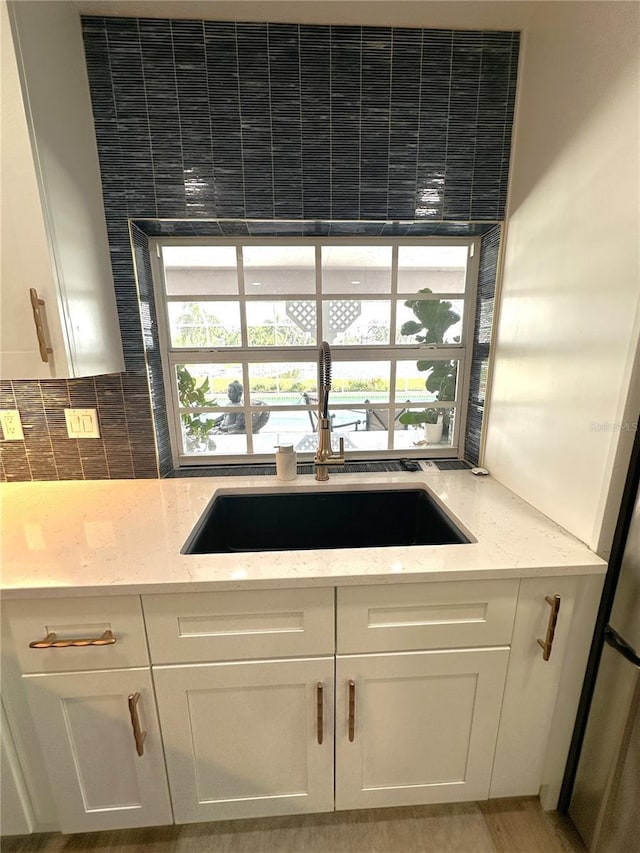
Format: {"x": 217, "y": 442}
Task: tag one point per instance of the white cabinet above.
{"x": 418, "y": 727}
{"x": 287, "y": 701}
{"x": 241, "y": 736}
{"x": 248, "y": 739}
{"x": 95, "y": 721}
{"x": 245, "y": 735}
{"x": 71, "y": 634}
{"x": 101, "y": 742}
{"x": 541, "y": 696}
{"x": 243, "y": 624}
{"x": 54, "y": 237}
{"x": 15, "y": 808}
{"x": 399, "y": 617}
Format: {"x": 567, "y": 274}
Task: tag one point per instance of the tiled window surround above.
{"x": 205, "y": 121}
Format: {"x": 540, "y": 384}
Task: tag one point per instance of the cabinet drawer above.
{"x": 235, "y": 625}
{"x": 77, "y": 619}
{"x": 402, "y": 617}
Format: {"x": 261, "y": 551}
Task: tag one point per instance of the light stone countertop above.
{"x": 124, "y": 536}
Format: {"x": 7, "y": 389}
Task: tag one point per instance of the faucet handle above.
{"x": 337, "y": 458}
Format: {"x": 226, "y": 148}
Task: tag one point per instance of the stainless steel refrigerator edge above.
{"x": 605, "y": 804}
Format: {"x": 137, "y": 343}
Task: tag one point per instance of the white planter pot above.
{"x": 433, "y": 433}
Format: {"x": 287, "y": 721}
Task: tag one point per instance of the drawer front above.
{"x": 402, "y": 617}
{"x": 235, "y": 625}
{"x": 73, "y": 620}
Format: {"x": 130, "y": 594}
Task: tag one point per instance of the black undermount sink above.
{"x": 296, "y": 521}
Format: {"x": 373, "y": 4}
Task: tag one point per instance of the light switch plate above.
{"x": 11, "y": 425}
{"x": 82, "y": 423}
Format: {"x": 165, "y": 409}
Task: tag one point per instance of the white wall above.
{"x": 461, "y": 14}
{"x": 570, "y": 313}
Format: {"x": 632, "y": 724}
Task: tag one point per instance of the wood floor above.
{"x": 498, "y": 826}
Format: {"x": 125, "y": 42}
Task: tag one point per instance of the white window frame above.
{"x": 171, "y": 356}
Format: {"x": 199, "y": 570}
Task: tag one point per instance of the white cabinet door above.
{"x": 15, "y": 808}
{"x": 246, "y": 739}
{"x": 417, "y": 727}
{"x": 54, "y": 236}
{"x": 86, "y": 730}
{"x": 531, "y": 687}
{"x": 541, "y": 696}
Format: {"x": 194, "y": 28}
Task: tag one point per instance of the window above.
{"x": 240, "y": 324}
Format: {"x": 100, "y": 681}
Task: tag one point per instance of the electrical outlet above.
{"x": 11, "y": 425}
{"x": 82, "y": 423}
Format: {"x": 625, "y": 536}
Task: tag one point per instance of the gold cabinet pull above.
{"x": 352, "y": 711}
{"x": 37, "y": 306}
{"x": 138, "y": 734}
{"x": 547, "y": 643}
{"x": 320, "y": 710}
{"x": 51, "y": 641}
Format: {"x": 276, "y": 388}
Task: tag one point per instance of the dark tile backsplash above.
{"x": 270, "y": 121}
{"x": 210, "y": 124}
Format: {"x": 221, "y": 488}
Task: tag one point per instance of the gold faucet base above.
{"x": 325, "y": 456}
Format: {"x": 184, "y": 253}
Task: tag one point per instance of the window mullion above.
{"x": 319, "y": 317}
{"x": 392, "y": 340}
{"x": 242, "y": 299}
{"x": 200, "y": 297}
{"x": 394, "y": 295}
{"x": 392, "y": 404}
{"x": 455, "y": 438}
{"x": 245, "y": 406}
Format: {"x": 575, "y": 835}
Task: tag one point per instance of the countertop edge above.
{"x": 168, "y": 587}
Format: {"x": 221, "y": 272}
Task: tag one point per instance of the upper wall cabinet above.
{"x": 58, "y": 309}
